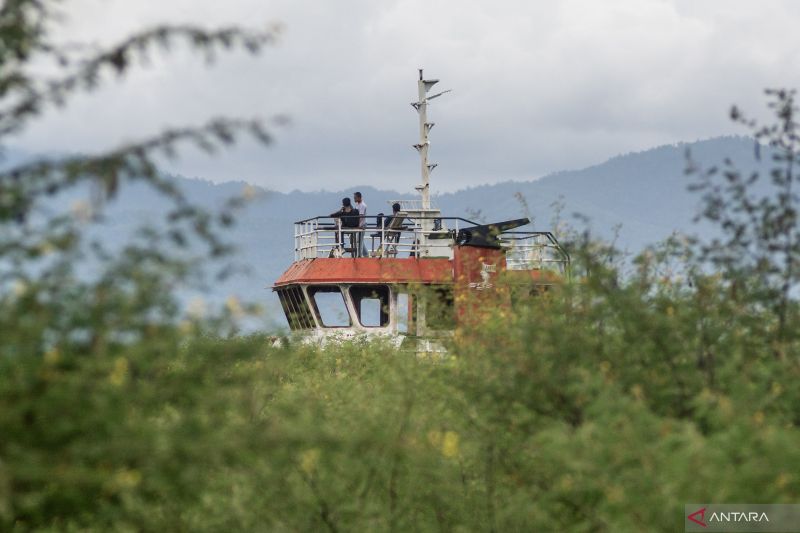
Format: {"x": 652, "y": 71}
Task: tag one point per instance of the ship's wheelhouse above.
{"x": 339, "y": 305}
{"x": 376, "y": 308}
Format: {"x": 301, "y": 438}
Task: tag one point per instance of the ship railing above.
{"x": 419, "y": 236}
{"x": 534, "y": 250}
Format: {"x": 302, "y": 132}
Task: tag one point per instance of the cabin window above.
{"x": 295, "y": 307}
{"x": 405, "y": 312}
{"x": 371, "y": 303}
{"x": 439, "y": 310}
{"x": 330, "y": 306}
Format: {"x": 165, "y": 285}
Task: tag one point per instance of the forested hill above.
{"x": 645, "y": 193}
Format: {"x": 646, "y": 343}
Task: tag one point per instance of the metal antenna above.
{"x": 421, "y": 105}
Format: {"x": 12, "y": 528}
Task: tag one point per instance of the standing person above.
{"x": 362, "y": 223}
{"x": 347, "y": 217}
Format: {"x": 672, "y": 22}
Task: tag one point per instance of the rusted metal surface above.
{"x": 477, "y": 268}
{"x": 476, "y": 272}
{"x": 368, "y": 270}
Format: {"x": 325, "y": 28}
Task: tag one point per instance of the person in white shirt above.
{"x": 362, "y": 223}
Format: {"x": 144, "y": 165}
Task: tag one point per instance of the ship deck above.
{"x": 419, "y": 236}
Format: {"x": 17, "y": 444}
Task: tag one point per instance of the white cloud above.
{"x": 538, "y": 85}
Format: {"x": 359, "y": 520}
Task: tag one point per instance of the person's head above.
{"x": 395, "y": 207}
{"x": 345, "y": 202}
{"x": 357, "y": 197}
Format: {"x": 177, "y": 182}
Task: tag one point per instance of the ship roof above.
{"x": 368, "y": 270}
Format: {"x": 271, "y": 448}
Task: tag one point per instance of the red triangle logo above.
{"x": 702, "y": 517}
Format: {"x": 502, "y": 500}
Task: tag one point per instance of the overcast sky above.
{"x": 538, "y": 85}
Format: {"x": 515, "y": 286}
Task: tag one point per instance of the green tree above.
{"x": 759, "y": 245}
{"x": 40, "y": 246}
{"x": 94, "y": 332}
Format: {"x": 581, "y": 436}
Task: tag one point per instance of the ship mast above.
{"x": 421, "y": 105}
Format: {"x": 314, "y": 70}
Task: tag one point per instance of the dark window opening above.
{"x": 330, "y": 306}
{"x": 439, "y": 309}
{"x": 372, "y": 304}
{"x": 295, "y": 307}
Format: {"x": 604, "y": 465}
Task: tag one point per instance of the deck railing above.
{"x": 534, "y": 250}
{"x": 419, "y": 237}
{"x": 324, "y": 237}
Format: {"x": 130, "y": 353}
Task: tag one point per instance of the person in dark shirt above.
{"x": 395, "y": 214}
{"x": 347, "y": 218}
{"x": 348, "y": 215}
{"x": 393, "y": 226}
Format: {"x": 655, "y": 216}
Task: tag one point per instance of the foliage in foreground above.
{"x": 598, "y": 407}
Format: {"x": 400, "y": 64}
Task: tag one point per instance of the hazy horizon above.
{"x": 413, "y": 179}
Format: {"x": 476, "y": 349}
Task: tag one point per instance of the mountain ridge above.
{"x": 638, "y": 198}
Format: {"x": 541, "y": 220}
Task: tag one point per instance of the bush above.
{"x": 588, "y": 409}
